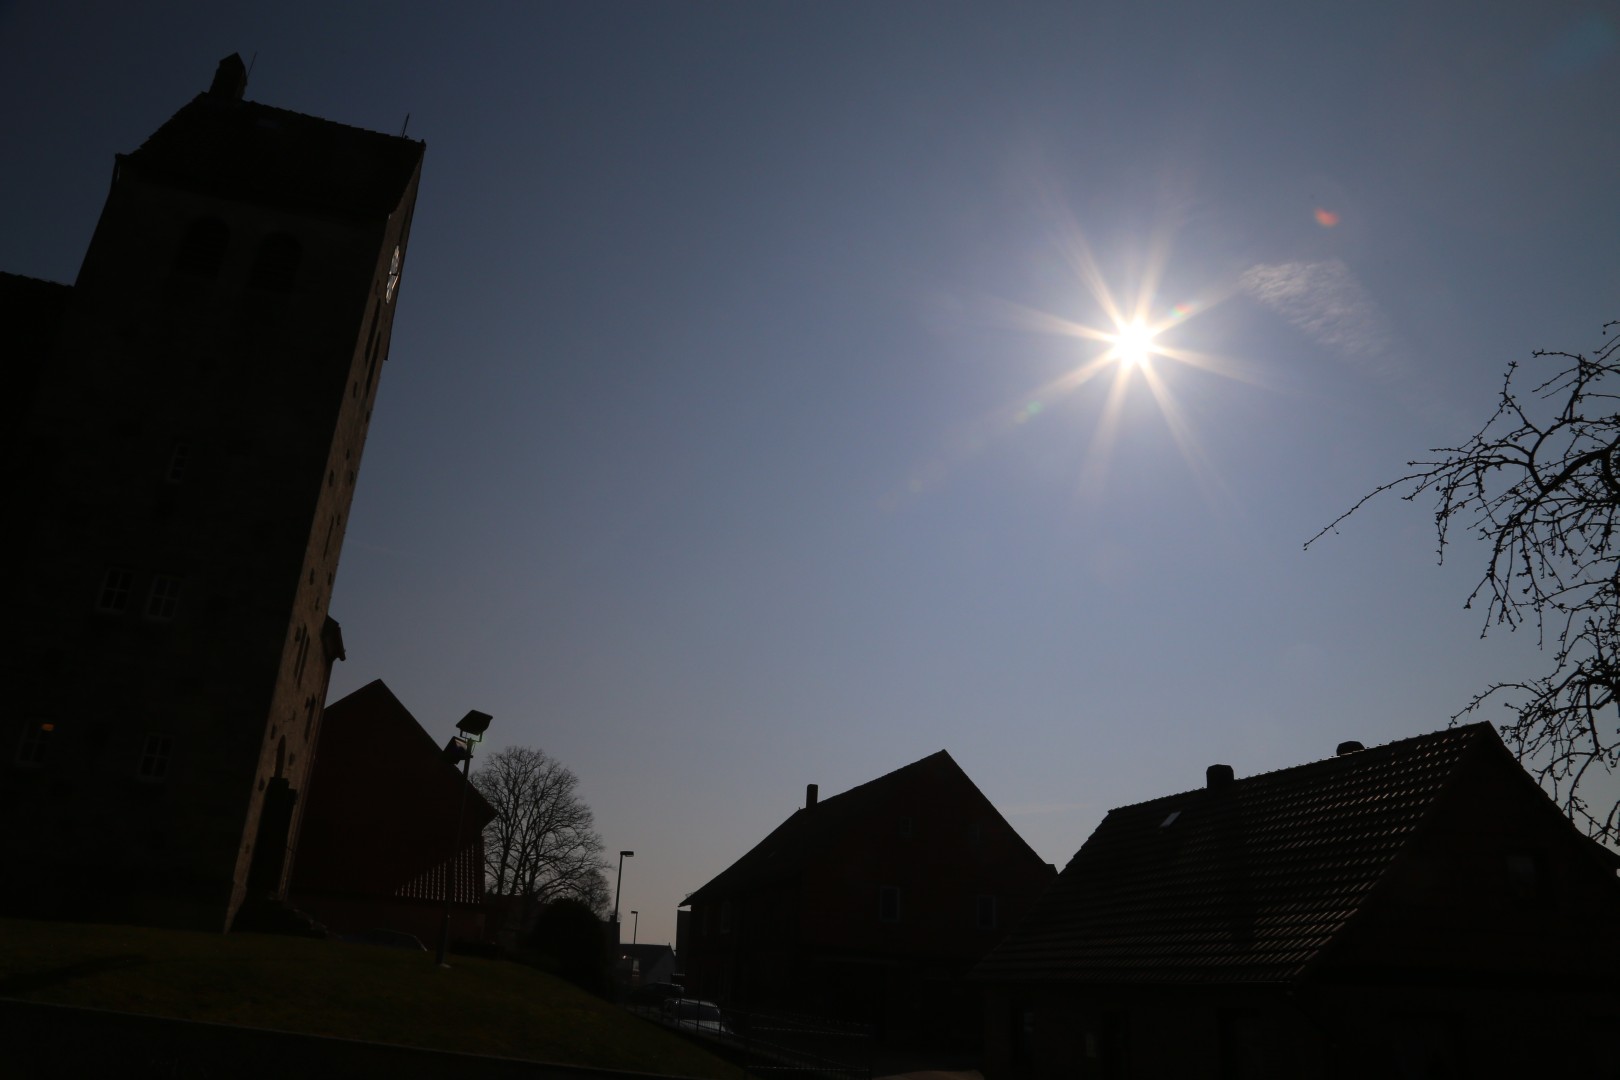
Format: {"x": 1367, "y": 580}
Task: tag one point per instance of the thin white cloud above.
{"x": 1327, "y": 303}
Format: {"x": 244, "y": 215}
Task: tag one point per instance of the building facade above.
{"x": 195, "y": 406}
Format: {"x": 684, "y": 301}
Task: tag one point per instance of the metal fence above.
{"x": 774, "y": 1045}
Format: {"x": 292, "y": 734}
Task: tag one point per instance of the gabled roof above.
{"x": 383, "y": 799}
{"x": 1246, "y": 881}
{"x": 221, "y": 145}
{"x": 784, "y": 854}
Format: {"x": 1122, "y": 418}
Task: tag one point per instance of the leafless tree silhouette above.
{"x": 1540, "y": 484}
{"x": 541, "y": 846}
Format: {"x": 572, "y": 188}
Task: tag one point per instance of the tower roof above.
{"x": 221, "y": 145}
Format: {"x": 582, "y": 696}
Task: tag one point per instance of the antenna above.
{"x": 403, "y": 127}
{"x": 251, "y": 62}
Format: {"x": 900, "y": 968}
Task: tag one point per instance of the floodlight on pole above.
{"x": 472, "y": 728}
{"x": 623, "y": 855}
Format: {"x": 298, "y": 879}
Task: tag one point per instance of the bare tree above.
{"x": 542, "y": 845}
{"x": 1540, "y": 484}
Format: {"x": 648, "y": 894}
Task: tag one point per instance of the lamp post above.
{"x": 623, "y": 855}
{"x": 635, "y": 924}
{"x": 472, "y": 728}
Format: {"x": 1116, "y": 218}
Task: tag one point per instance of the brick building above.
{"x": 379, "y": 846}
{"x": 868, "y": 906}
{"x": 183, "y": 454}
{"x": 1417, "y": 909}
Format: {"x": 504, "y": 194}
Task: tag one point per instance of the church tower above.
{"x": 194, "y": 411}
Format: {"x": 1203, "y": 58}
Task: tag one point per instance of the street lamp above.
{"x": 472, "y": 728}
{"x": 635, "y": 924}
{"x": 623, "y": 855}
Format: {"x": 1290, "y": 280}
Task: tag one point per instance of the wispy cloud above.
{"x": 1324, "y": 300}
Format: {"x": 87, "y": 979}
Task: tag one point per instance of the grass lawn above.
{"x": 330, "y": 988}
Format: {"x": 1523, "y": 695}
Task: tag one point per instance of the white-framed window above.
{"x": 163, "y": 602}
{"x": 888, "y": 903}
{"x": 155, "y": 755}
{"x": 35, "y": 743}
{"x": 116, "y": 585}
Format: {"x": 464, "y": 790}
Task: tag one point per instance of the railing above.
{"x": 775, "y": 1045}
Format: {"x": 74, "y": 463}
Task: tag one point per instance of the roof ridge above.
{"x": 325, "y": 120}
{"x": 1382, "y": 748}
{"x": 886, "y": 776}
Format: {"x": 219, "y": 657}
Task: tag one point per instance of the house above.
{"x": 869, "y": 906}
{"x": 186, "y": 427}
{"x": 1416, "y": 909}
{"x": 380, "y": 827}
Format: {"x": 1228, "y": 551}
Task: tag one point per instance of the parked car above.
{"x": 690, "y": 1014}
{"x": 656, "y": 993}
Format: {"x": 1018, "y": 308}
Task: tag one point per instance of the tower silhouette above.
{"x": 184, "y": 451}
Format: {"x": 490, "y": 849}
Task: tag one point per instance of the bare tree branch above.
{"x": 542, "y": 844}
{"x": 1538, "y": 485}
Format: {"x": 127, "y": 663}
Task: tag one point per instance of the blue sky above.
{"x": 721, "y": 449}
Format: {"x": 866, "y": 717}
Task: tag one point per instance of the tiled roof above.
{"x": 783, "y": 854}
{"x": 1243, "y": 882}
{"x": 246, "y": 151}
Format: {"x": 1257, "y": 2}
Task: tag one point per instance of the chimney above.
{"x": 1350, "y": 746}
{"x": 230, "y": 79}
{"x": 1217, "y": 776}
{"x": 810, "y": 791}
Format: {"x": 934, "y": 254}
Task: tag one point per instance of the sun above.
{"x": 1133, "y": 344}
{"x": 1140, "y": 335}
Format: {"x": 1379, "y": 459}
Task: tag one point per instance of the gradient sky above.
{"x": 726, "y": 444}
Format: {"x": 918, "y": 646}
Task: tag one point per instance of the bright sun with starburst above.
{"x": 1143, "y": 343}
{"x": 1133, "y": 344}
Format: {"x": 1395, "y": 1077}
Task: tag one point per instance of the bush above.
{"x": 573, "y": 944}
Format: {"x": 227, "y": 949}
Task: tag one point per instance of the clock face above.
{"x": 393, "y": 277}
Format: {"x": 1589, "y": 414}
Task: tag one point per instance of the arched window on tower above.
{"x": 202, "y": 249}
{"x": 275, "y": 266}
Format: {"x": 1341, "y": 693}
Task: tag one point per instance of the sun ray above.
{"x": 1181, "y": 432}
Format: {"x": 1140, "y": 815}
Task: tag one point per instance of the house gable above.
{"x": 1240, "y": 881}
{"x": 1497, "y": 886}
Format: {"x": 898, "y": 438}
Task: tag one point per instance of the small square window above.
{"x": 163, "y": 603}
{"x": 178, "y": 458}
{"x": 888, "y": 904}
{"x": 35, "y": 743}
{"x": 155, "y": 757}
{"x": 115, "y": 589}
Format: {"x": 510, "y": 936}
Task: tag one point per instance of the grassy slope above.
{"x": 326, "y": 988}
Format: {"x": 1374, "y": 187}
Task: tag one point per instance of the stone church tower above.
{"x": 183, "y": 455}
